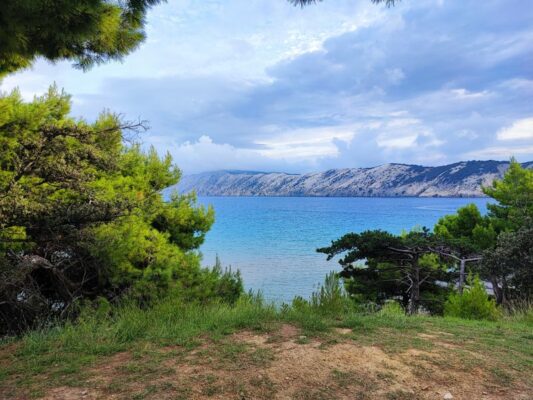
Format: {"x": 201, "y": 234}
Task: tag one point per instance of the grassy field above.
{"x": 254, "y": 350}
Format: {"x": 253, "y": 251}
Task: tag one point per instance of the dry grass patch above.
{"x": 233, "y": 353}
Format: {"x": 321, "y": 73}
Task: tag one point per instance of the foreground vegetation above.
{"x": 322, "y": 349}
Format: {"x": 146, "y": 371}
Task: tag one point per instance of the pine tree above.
{"x": 87, "y": 32}
{"x": 82, "y": 216}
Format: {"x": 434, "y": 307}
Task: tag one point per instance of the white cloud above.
{"x": 28, "y": 83}
{"x": 467, "y": 134}
{"x": 518, "y": 84}
{"x": 338, "y": 84}
{"x": 500, "y": 152}
{"x": 402, "y": 122}
{"x": 283, "y": 154}
{"x": 407, "y": 133}
{"x": 395, "y": 75}
{"x": 519, "y": 130}
{"x": 206, "y": 155}
{"x": 304, "y": 143}
{"x": 463, "y": 94}
{"x": 402, "y": 142}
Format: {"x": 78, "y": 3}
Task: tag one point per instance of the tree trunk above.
{"x": 496, "y": 289}
{"x": 414, "y": 300}
{"x": 462, "y": 276}
{"x": 504, "y": 291}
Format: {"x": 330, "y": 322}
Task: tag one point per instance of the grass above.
{"x": 64, "y": 355}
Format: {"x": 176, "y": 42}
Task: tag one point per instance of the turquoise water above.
{"x": 272, "y": 240}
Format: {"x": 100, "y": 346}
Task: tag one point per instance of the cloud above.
{"x": 500, "y": 153}
{"x": 467, "y": 134}
{"x": 519, "y": 130}
{"x": 463, "y": 94}
{"x": 395, "y": 75}
{"x": 310, "y": 143}
{"x": 206, "y": 155}
{"x": 403, "y": 142}
{"x": 338, "y": 84}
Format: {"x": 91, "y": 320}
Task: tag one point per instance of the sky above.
{"x": 263, "y": 85}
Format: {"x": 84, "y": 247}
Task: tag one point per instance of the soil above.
{"x": 284, "y": 364}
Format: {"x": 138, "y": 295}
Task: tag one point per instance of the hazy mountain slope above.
{"x": 463, "y": 179}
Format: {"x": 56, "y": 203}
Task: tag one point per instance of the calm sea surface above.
{"x": 272, "y": 240}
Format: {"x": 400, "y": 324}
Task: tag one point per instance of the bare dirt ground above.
{"x": 287, "y": 365}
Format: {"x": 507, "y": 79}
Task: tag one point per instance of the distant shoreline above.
{"x": 344, "y": 197}
{"x": 460, "y": 180}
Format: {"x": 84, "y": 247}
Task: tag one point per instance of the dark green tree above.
{"x": 463, "y": 237}
{"x": 467, "y": 235}
{"x": 510, "y": 265}
{"x": 82, "y": 216}
{"x": 514, "y": 196}
{"x": 87, "y": 32}
{"x": 380, "y": 266}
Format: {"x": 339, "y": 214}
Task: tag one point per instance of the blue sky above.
{"x": 263, "y": 85}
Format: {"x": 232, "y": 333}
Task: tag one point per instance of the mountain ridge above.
{"x": 460, "y": 179}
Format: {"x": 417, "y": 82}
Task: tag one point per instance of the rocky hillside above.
{"x": 462, "y": 179}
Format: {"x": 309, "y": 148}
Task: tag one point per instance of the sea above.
{"x": 273, "y": 240}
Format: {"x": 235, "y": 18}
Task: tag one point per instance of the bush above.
{"x": 473, "y": 303}
{"x": 331, "y": 298}
{"x": 392, "y": 309}
{"x": 329, "y": 301}
{"x": 219, "y": 283}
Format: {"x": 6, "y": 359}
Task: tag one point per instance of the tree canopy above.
{"x": 82, "y": 216}
{"x": 378, "y": 266}
{"x": 468, "y": 231}
{"x": 509, "y": 265}
{"x": 87, "y": 32}
{"x": 464, "y": 236}
{"x": 514, "y": 196}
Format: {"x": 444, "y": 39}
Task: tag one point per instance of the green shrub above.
{"x": 473, "y": 303}
{"x": 331, "y": 298}
{"x": 330, "y": 301}
{"x": 392, "y": 309}
{"x": 226, "y": 284}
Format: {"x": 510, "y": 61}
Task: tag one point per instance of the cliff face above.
{"x": 462, "y": 179}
